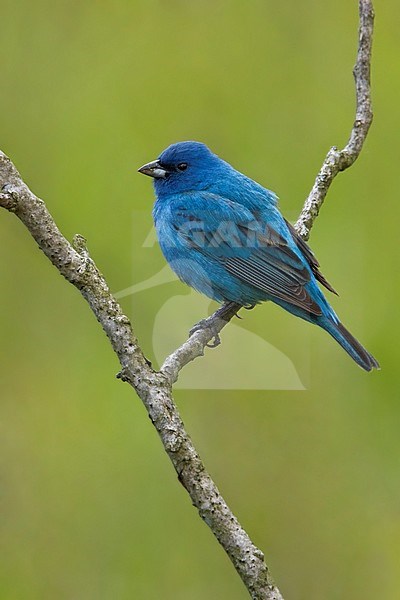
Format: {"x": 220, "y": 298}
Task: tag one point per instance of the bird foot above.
{"x": 216, "y": 321}
{"x": 207, "y": 324}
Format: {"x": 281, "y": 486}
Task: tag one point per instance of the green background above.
{"x": 90, "y": 506}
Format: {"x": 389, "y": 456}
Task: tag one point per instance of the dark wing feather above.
{"x": 268, "y": 263}
{"x": 276, "y": 270}
{"x": 309, "y": 256}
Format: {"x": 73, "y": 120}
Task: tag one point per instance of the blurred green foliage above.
{"x": 90, "y": 506}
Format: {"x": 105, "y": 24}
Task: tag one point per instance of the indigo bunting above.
{"x": 223, "y": 234}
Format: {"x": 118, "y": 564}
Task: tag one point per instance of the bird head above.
{"x": 183, "y": 167}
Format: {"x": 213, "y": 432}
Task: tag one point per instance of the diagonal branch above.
{"x": 154, "y": 388}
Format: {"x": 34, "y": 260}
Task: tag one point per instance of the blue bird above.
{"x": 223, "y": 234}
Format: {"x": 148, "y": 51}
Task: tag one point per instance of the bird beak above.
{"x": 153, "y": 169}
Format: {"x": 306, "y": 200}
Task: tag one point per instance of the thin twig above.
{"x": 339, "y": 160}
{"x": 154, "y": 388}
{"x": 201, "y": 336}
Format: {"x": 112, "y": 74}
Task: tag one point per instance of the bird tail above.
{"x": 352, "y": 346}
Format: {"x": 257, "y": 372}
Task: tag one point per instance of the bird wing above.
{"x": 255, "y": 253}
{"x": 310, "y": 257}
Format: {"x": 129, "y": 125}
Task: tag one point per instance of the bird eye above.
{"x": 182, "y": 166}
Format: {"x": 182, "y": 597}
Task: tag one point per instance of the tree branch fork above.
{"x": 155, "y": 387}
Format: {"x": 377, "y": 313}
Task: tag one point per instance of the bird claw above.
{"x": 207, "y": 324}
{"x": 214, "y": 342}
{"x": 248, "y": 307}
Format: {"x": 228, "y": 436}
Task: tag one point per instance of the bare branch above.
{"x": 200, "y": 337}
{"x": 154, "y": 388}
{"x": 339, "y": 160}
